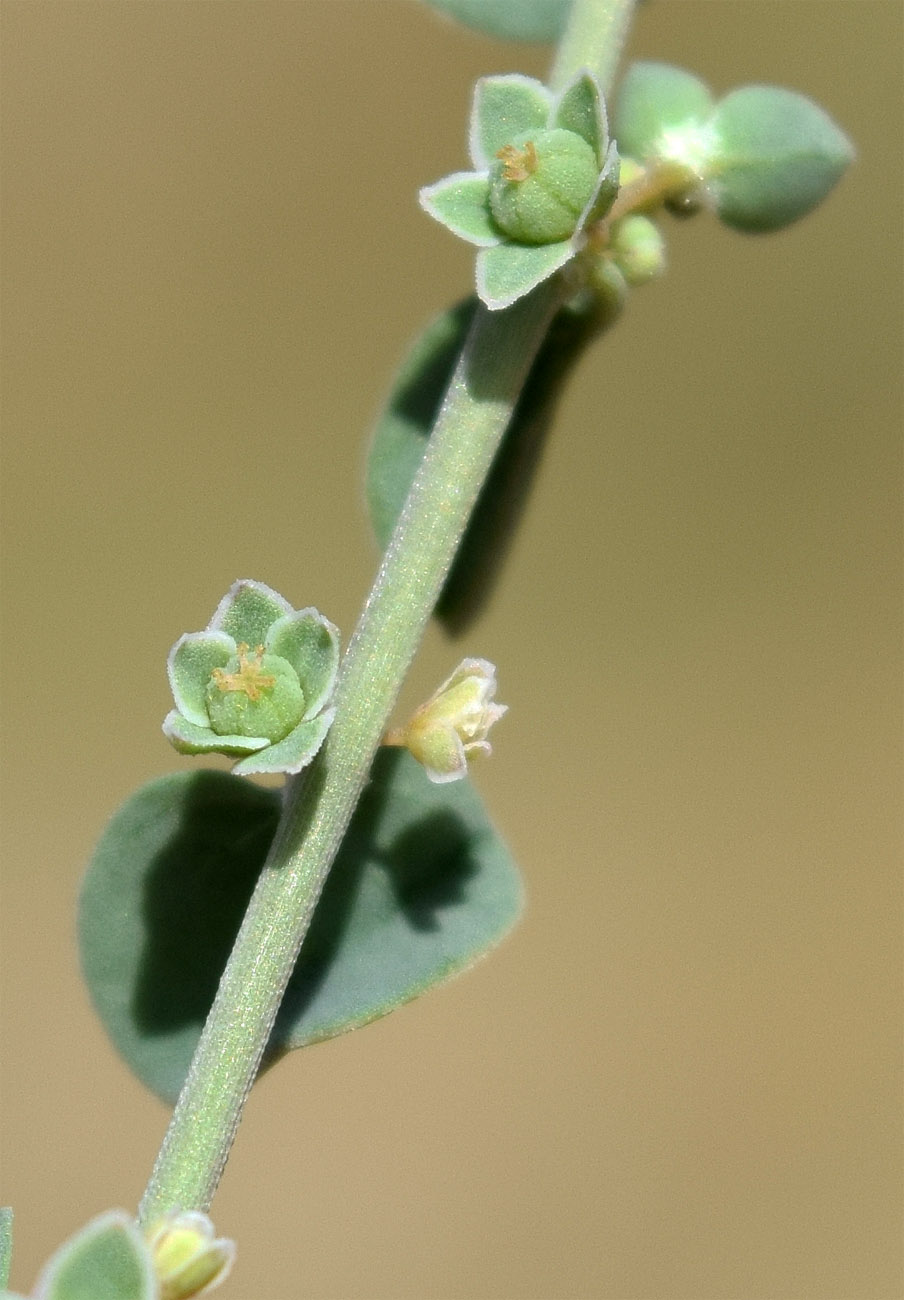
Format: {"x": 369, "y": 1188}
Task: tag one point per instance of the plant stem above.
{"x": 594, "y": 39}
{"x": 488, "y": 379}
{"x": 483, "y": 391}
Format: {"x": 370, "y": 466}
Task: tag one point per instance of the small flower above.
{"x": 544, "y": 171}
{"x": 454, "y": 722}
{"x": 187, "y": 1259}
{"x": 255, "y": 682}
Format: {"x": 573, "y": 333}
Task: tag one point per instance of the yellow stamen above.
{"x": 249, "y": 677}
{"x": 518, "y": 164}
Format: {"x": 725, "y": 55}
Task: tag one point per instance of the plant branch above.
{"x": 487, "y": 382}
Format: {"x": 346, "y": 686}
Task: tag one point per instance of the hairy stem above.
{"x": 482, "y": 394}
{"x": 486, "y": 384}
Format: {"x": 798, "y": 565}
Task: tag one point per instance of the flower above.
{"x": 187, "y": 1259}
{"x": 454, "y": 722}
{"x": 544, "y": 170}
{"x": 255, "y": 682}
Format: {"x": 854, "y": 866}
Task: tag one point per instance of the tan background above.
{"x": 679, "y": 1080}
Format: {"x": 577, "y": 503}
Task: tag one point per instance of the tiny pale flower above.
{"x": 256, "y": 684}
{"x": 188, "y": 1260}
{"x": 453, "y": 724}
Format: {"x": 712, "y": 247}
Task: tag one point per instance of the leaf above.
{"x": 421, "y": 888}
{"x": 6, "y": 1243}
{"x": 106, "y": 1260}
{"x": 653, "y": 100}
{"x": 401, "y": 434}
{"x": 776, "y": 155}
{"x": 514, "y": 20}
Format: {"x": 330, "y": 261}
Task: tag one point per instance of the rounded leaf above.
{"x": 422, "y": 887}
{"x": 776, "y": 155}
{"x": 106, "y": 1260}
{"x": 512, "y": 20}
{"x": 657, "y": 102}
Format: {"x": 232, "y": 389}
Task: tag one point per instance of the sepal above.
{"x": 461, "y": 203}
{"x": 504, "y": 107}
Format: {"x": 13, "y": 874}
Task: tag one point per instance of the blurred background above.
{"x": 679, "y": 1079}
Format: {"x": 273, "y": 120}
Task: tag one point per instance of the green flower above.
{"x": 454, "y": 723}
{"x": 188, "y": 1259}
{"x": 255, "y": 682}
{"x": 544, "y": 171}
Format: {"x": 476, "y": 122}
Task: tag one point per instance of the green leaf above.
{"x": 409, "y": 414}
{"x": 461, "y": 203}
{"x": 6, "y": 1243}
{"x": 247, "y": 611}
{"x": 504, "y": 107}
{"x": 106, "y": 1260}
{"x": 421, "y": 888}
{"x": 401, "y": 435}
{"x": 653, "y": 100}
{"x": 582, "y": 111}
{"x": 513, "y": 20}
{"x": 511, "y": 271}
{"x": 776, "y": 155}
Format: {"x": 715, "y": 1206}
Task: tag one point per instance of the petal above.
{"x": 481, "y": 668}
{"x": 247, "y": 610}
{"x": 504, "y": 107}
{"x": 310, "y": 643}
{"x": 581, "y": 110}
{"x": 291, "y": 754}
{"x": 507, "y": 273}
{"x": 190, "y": 739}
{"x": 189, "y": 665}
{"x": 461, "y": 203}
{"x": 604, "y": 194}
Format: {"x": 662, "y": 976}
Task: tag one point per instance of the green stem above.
{"x": 594, "y": 39}
{"x": 486, "y": 384}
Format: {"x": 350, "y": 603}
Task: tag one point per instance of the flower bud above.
{"x": 454, "y": 722}
{"x": 638, "y": 249}
{"x": 187, "y": 1259}
{"x": 540, "y": 184}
